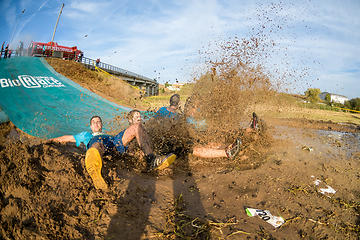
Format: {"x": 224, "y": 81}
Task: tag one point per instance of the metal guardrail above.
{"x": 90, "y": 61}
{"x": 102, "y": 65}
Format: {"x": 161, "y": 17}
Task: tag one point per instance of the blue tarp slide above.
{"x": 43, "y": 103}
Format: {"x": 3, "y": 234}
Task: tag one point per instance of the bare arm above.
{"x": 65, "y": 138}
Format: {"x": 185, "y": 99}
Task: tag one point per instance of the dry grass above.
{"x": 111, "y": 88}
{"x": 280, "y": 106}
{"x": 278, "y": 111}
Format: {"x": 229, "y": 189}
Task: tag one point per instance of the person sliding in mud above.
{"x": 99, "y": 144}
{"x": 257, "y": 126}
{"x": 211, "y": 150}
{"x": 172, "y": 111}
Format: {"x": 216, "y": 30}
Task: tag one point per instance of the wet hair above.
{"x": 131, "y": 114}
{"x": 174, "y": 100}
{"x": 192, "y": 101}
{"x": 95, "y": 117}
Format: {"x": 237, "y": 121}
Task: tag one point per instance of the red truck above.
{"x": 36, "y": 49}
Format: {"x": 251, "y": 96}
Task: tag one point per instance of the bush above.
{"x": 353, "y": 104}
{"x": 312, "y": 95}
{"x": 328, "y": 99}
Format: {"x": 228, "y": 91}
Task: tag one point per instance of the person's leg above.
{"x": 137, "y": 130}
{"x": 93, "y": 164}
{"x": 100, "y": 147}
{"x": 208, "y": 152}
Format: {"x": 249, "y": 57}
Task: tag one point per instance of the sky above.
{"x": 305, "y": 44}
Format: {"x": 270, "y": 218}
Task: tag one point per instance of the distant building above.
{"x": 173, "y": 88}
{"x": 334, "y": 97}
{"x": 176, "y": 86}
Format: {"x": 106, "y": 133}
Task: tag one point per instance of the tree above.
{"x": 312, "y": 95}
{"x": 353, "y": 104}
{"x": 347, "y": 105}
{"x": 328, "y": 99}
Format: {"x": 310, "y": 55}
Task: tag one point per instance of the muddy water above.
{"x": 327, "y": 141}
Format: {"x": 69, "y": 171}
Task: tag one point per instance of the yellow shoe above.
{"x": 93, "y": 164}
{"x": 161, "y": 162}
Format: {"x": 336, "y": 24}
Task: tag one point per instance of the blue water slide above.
{"x": 43, "y": 103}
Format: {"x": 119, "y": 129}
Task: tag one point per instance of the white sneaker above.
{"x": 233, "y": 149}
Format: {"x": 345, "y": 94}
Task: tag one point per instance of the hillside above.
{"x": 111, "y": 88}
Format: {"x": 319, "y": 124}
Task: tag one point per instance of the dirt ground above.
{"x": 46, "y": 192}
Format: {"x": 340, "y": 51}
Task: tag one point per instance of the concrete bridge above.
{"x": 150, "y": 86}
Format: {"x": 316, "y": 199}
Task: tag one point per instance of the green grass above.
{"x": 163, "y": 98}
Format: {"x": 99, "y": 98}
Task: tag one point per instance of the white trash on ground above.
{"x": 266, "y": 215}
{"x": 306, "y": 148}
{"x": 322, "y": 187}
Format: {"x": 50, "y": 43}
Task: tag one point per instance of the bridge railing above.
{"x": 102, "y": 65}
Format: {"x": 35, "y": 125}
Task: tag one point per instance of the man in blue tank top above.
{"x": 171, "y": 111}
{"x": 211, "y": 150}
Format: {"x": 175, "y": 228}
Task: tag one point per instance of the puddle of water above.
{"x": 349, "y": 142}
{"x": 319, "y": 140}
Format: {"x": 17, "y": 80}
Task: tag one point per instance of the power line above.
{"x": 24, "y": 15}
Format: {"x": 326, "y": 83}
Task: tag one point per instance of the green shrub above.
{"x": 312, "y": 95}
{"x": 353, "y": 104}
{"x": 328, "y": 99}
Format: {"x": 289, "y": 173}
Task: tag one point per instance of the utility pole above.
{"x": 15, "y": 27}
{"x": 55, "y": 28}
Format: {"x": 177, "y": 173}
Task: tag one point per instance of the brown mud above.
{"x": 46, "y": 192}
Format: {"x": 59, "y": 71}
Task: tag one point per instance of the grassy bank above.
{"x": 281, "y": 106}
{"x": 276, "y": 105}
